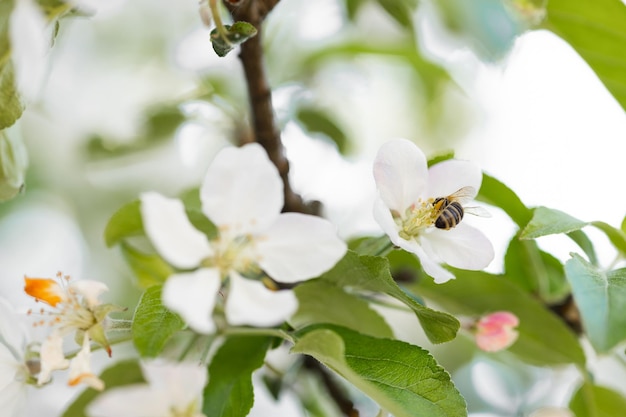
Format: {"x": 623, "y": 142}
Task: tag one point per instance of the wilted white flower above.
{"x": 411, "y": 202}
{"x": 242, "y": 194}
{"x": 172, "y": 390}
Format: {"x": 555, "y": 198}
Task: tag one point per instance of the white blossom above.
{"x": 406, "y": 208}
{"x": 172, "y": 390}
{"x": 14, "y": 372}
{"x": 74, "y": 309}
{"x": 242, "y": 194}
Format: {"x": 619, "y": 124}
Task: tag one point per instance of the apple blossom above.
{"x": 496, "y": 331}
{"x": 407, "y": 208}
{"x": 242, "y": 194}
{"x": 172, "y": 390}
{"x": 75, "y": 309}
{"x": 15, "y": 374}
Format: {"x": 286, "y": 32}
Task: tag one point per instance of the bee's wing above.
{"x": 463, "y": 195}
{"x": 477, "y": 211}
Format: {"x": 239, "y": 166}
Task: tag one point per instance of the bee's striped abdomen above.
{"x": 451, "y": 214}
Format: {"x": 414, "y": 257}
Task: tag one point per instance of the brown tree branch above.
{"x": 260, "y": 94}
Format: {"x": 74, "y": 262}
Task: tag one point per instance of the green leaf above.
{"x": 401, "y": 11}
{"x": 403, "y": 379}
{"x": 444, "y": 156}
{"x": 544, "y": 339}
{"x": 494, "y": 192}
{"x": 352, "y": 7}
{"x": 122, "y": 373}
{"x": 371, "y": 273}
{"x": 547, "y": 221}
{"x": 149, "y": 269}
{"x": 601, "y": 299}
{"x": 536, "y": 271}
{"x": 229, "y": 391}
{"x": 596, "y": 30}
{"x": 13, "y": 164}
{"x": 616, "y": 236}
{"x": 153, "y": 324}
{"x": 125, "y": 222}
{"x": 583, "y": 242}
{"x": 321, "y": 302}
{"x": 236, "y": 34}
{"x": 318, "y": 121}
{"x": 489, "y": 27}
{"x": 596, "y": 401}
{"x": 11, "y": 107}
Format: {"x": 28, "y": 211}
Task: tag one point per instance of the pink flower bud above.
{"x": 496, "y": 331}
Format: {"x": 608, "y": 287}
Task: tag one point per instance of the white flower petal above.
{"x": 30, "y": 43}
{"x": 461, "y": 247}
{"x": 52, "y": 357}
{"x": 171, "y": 232}
{"x": 429, "y": 264}
{"x": 192, "y": 295}
{"x": 401, "y": 173}
{"x": 182, "y": 383}
{"x": 298, "y": 246}
{"x": 12, "y": 333}
{"x": 80, "y": 368}
{"x": 13, "y": 400}
{"x": 448, "y": 177}
{"x": 242, "y": 189}
{"x": 8, "y": 367}
{"x": 90, "y": 290}
{"x": 130, "y": 401}
{"x": 383, "y": 216}
{"x": 249, "y": 302}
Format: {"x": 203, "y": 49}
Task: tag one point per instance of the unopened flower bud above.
{"x": 496, "y": 331}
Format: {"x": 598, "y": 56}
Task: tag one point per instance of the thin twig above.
{"x": 264, "y": 127}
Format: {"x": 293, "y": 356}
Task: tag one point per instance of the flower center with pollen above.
{"x": 417, "y": 218}
{"x": 69, "y": 310}
{"x": 233, "y": 254}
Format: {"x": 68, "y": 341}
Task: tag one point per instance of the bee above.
{"x": 449, "y": 211}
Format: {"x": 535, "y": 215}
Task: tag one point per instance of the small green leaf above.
{"x": 444, "y": 156}
{"x": 13, "y": 164}
{"x": 11, "y": 107}
{"x": 353, "y": 7}
{"x": 371, "y": 273}
{"x": 616, "y": 236}
{"x": 149, "y": 269}
{"x": 321, "y": 302}
{"x": 601, "y": 299}
{"x": 544, "y": 339}
{"x": 596, "y": 401}
{"x": 494, "y": 192}
{"x": 125, "y": 222}
{"x": 229, "y": 391}
{"x": 401, "y": 11}
{"x": 236, "y": 34}
{"x": 547, "y": 221}
{"x": 153, "y": 324}
{"x": 318, "y": 121}
{"x": 122, "y": 373}
{"x": 583, "y": 242}
{"x": 536, "y": 271}
{"x": 403, "y": 379}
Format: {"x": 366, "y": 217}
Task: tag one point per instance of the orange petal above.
{"x": 44, "y": 289}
